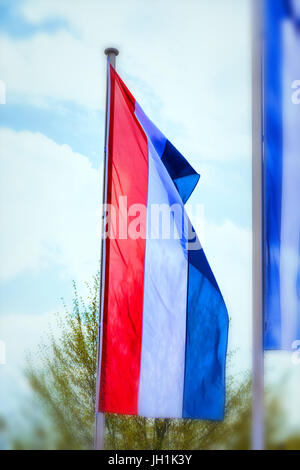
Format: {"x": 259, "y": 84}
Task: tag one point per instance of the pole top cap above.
{"x": 111, "y": 50}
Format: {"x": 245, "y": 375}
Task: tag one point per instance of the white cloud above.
{"x": 58, "y": 67}
{"x": 189, "y": 67}
{"x": 49, "y": 207}
{"x": 228, "y": 249}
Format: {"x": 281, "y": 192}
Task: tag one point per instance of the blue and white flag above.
{"x": 282, "y": 173}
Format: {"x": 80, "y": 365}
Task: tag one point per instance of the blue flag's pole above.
{"x": 99, "y": 417}
{"x": 258, "y": 230}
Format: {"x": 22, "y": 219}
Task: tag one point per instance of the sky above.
{"x": 188, "y": 65}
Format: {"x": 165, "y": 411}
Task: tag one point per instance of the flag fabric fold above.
{"x": 165, "y": 323}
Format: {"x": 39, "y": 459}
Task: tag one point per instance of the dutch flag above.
{"x": 165, "y": 324}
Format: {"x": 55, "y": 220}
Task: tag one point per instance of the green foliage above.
{"x": 141, "y": 433}
{"x": 63, "y": 377}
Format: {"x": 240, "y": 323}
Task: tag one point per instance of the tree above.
{"x": 63, "y": 379}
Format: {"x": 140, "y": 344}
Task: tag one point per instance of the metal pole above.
{"x": 100, "y": 417}
{"x": 258, "y": 231}
{"x": 111, "y": 53}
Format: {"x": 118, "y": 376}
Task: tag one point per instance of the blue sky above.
{"x": 190, "y": 70}
{"x": 15, "y": 24}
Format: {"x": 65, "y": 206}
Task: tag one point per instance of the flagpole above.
{"x": 111, "y": 54}
{"x": 258, "y": 231}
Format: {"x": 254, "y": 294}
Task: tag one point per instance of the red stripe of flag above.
{"x": 124, "y": 272}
